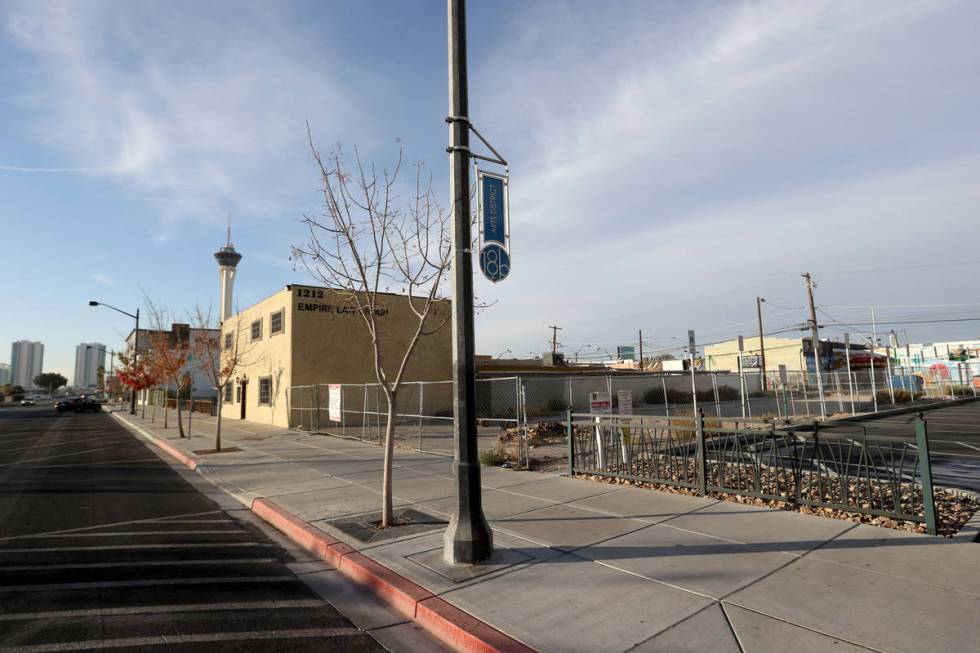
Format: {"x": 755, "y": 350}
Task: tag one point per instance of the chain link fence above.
{"x": 520, "y": 419}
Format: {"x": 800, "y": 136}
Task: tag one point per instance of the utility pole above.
{"x": 641, "y": 350}
{"x": 468, "y": 538}
{"x": 762, "y": 343}
{"x": 554, "y": 338}
{"x": 815, "y": 341}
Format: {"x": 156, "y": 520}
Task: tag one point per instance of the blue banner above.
{"x": 494, "y": 220}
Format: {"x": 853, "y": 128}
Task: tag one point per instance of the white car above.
{"x": 28, "y": 402}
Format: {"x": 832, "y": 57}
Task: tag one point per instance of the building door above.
{"x": 244, "y": 395}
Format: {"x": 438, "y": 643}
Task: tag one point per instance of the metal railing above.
{"x": 856, "y": 472}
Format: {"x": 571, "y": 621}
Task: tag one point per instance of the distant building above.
{"x": 26, "y": 362}
{"x": 89, "y": 357}
{"x": 184, "y": 336}
{"x": 4, "y": 374}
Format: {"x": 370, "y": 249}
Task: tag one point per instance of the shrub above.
{"x": 493, "y": 457}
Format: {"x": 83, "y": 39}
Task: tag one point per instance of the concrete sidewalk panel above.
{"x": 374, "y": 475}
{"x": 425, "y": 488}
{"x": 560, "y": 489}
{"x": 570, "y": 605}
{"x": 496, "y": 504}
{"x": 874, "y": 610}
{"x": 319, "y": 483}
{"x": 761, "y": 634}
{"x": 707, "y": 631}
{"x": 778, "y": 530}
{"x": 332, "y": 503}
{"x": 687, "y": 560}
{"x": 567, "y": 527}
{"x": 495, "y": 477}
{"x": 923, "y": 558}
{"x": 442, "y": 467}
{"x": 398, "y": 556}
{"x": 646, "y": 505}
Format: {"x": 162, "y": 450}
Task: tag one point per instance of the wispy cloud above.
{"x": 103, "y": 279}
{"x": 199, "y": 108}
{"x": 71, "y": 169}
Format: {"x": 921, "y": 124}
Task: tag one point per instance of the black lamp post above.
{"x": 136, "y": 343}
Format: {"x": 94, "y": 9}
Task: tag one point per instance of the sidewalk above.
{"x": 586, "y": 567}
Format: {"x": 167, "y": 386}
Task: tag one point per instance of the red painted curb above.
{"x": 459, "y": 630}
{"x": 183, "y": 458}
{"x": 462, "y": 631}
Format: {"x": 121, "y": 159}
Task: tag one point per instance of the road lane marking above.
{"x": 118, "y": 523}
{"x": 148, "y": 563}
{"x": 203, "y": 545}
{"x": 171, "y": 640}
{"x": 179, "y": 607}
{"x": 114, "y": 584}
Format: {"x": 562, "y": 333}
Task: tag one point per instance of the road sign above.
{"x": 493, "y": 211}
{"x": 625, "y": 353}
{"x": 334, "y": 402}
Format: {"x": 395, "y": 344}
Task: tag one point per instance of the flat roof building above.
{"x": 307, "y": 335}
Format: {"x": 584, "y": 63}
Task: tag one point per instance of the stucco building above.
{"x": 306, "y": 335}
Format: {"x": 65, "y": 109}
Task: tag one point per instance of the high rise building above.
{"x": 4, "y": 374}
{"x": 89, "y": 357}
{"x": 26, "y": 362}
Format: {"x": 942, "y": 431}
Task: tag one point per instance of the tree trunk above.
{"x": 180, "y": 423}
{"x": 146, "y": 395}
{"x": 386, "y": 507}
{"x": 153, "y": 413}
{"x": 166, "y": 408}
{"x": 217, "y": 430}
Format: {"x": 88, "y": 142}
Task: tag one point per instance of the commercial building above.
{"x": 306, "y": 335}
{"x": 181, "y": 337}
{"x": 791, "y": 354}
{"x": 89, "y": 358}
{"x": 26, "y": 362}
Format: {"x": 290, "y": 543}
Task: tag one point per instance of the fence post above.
{"x": 421, "y": 408}
{"x": 702, "y": 469}
{"x": 571, "y": 443}
{"x": 316, "y": 409}
{"x": 925, "y": 473}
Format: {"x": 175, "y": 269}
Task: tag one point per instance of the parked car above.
{"x": 29, "y": 401}
{"x": 78, "y": 404}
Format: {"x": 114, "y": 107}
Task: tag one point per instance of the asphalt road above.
{"x": 954, "y": 440}
{"x": 102, "y": 544}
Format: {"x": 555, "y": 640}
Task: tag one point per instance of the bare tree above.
{"x": 363, "y": 244}
{"x": 219, "y": 356}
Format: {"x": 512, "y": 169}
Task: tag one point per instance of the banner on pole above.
{"x": 493, "y": 214}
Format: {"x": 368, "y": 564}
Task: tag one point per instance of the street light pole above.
{"x": 468, "y": 538}
{"x": 136, "y": 343}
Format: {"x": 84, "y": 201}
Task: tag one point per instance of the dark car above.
{"x": 78, "y": 404}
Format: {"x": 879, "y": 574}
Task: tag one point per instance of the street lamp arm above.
{"x": 118, "y": 310}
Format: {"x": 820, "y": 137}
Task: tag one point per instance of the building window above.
{"x": 228, "y": 341}
{"x": 238, "y": 394}
{"x": 275, "y": 323}
{"x": 256, "y": 330}
{"x": 265, "y": 391}
{"x": 228, "y": 393}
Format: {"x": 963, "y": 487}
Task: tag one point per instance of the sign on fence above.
{"x": 599, "y": 402}
{"x": 751, "y": 361}
{"x": 625, "y": 402}
{"x": 334, "y": 402}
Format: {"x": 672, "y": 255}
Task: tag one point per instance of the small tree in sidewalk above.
{"x": 362, "y": 246}
{"x": 169, "y": 355}
{"x": 220, "y": 363}
{"x": 135, "y": 375}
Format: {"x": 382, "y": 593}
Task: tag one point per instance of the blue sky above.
{"x": 670, "y": 160}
